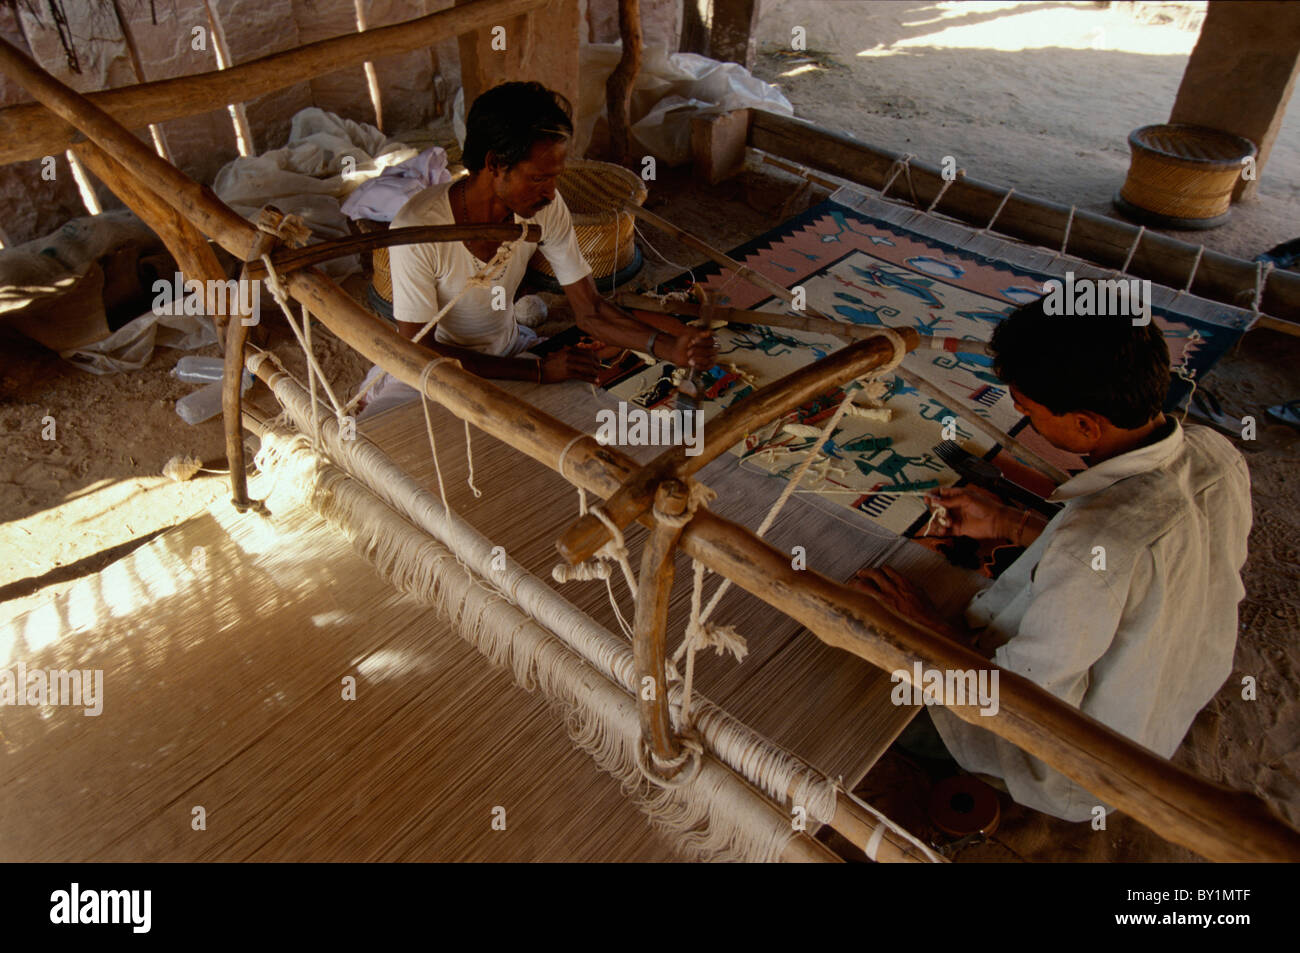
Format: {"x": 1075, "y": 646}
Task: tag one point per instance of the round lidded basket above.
{"x": 595, "y": 193}
{"x": 1182, "y": 176}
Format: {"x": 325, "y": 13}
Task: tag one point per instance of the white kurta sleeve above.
{"x": 560, "y": 244}
{"x": 415, "y": 283}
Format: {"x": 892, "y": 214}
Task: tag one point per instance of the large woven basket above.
{"x": 595, "y": 193}
{"x": 1182, "y": 176}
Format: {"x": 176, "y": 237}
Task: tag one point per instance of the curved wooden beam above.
{"x": 588, "y": 533}
{"x": 28, "y": 131}
{"x": 1212, "y": 820}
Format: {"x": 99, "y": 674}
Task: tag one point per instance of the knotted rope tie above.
{"x": 1262, "y": 271}
{"x": 898, "y": 167}
{"x": 692, "y": 751}
{"x": 699, "y": 634}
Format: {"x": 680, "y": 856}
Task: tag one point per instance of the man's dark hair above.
{"x": 1100, "y": 363}
{"x": 509, "y": 119}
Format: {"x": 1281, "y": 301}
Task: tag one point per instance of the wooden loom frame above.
{"x": 1217, "y": 822}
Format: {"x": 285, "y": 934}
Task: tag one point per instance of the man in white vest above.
{"x": 516, "y": 142}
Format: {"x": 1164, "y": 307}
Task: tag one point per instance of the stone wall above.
{"x": 415, "y": 87}
{"x": 661, "y": 22}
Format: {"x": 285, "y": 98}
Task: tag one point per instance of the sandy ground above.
{"x": 939, "y": 79}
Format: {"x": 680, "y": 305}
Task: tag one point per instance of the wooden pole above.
{"x": 372, "y": 78}
{"x": 588, "y": 533}
{"x": 28, "y": 131}
{"x": 649, "y": 631}
{"x": 193, "y": 253}
{"x": 197, "y": 203}
{"x": 238, "y": 115}
{"x": 1214, "y": 821}
{"x": 1096, "y": 238}
{"x": 155, "y": 131}
{"x": 286, "y": 260}
{"x": 197, "y": 261}
{"x": 618, "y": 88}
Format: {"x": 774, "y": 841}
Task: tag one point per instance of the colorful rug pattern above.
{"x": 865, "y": 271}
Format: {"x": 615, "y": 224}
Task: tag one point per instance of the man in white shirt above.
{"x": 1124, "y": 605}
{"x": 516, "y": 142}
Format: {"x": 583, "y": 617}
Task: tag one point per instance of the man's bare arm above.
{"x": 678, "y": 344}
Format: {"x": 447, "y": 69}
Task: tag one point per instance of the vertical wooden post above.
{"x": 1240, "y": 76}
{"x": 243, "y": 132}
{"x": 231, "y": 410}
{"x": 731, "y": 34}
{"x": 155, "y": 130}
{"x": 722, "y": 29}
{"x": 618, "y": 88}
{"x": 649, "y": 635}
{"x": 372, "y": 78}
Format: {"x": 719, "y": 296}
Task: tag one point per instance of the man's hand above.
{"x": 904, "y": 598}
{"x": 570, "y": 363}
{"x": 696, "y": 349}
{"x": 973, "y": 512}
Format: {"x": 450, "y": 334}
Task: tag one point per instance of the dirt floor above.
{"x": 1050, "y": 119}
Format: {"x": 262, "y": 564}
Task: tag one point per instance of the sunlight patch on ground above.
{"x": 1034, "y": 27}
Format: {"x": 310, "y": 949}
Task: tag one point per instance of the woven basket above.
{"x": 1182, "y": 176}
{"x": 595, "y": 193}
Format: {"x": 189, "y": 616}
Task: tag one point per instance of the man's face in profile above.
{"x": 529, "y": 186}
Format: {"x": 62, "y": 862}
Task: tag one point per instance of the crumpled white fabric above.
{"x": 320, "y": 144}
{"x": 382, "y": 197}
{"x": 669, "y": 89}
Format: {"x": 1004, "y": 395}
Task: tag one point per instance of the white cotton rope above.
{"x": 1065, "y": 239}
{"x": 598, "y": 567}
{"x": 947, "y": 183}
{"x": 885, "y": 823}
{"x": 997, "y": 211}
{"x": 428, "y": 424}
{"x": 1137, "y": 240}
{"x": 1196, "y": 263}
{"x": 314, "y": 370}
{"x": 770, "y": 768}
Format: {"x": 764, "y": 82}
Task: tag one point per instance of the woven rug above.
{"x": 867, "y": 262}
